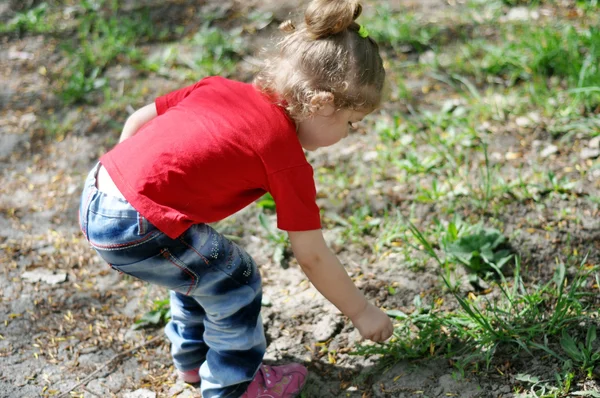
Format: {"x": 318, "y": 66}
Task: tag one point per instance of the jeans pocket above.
{"x": 163, "y": 269}
{"x": 117, "y": 226}
{"x": 239, "y": 265}
{"x": 207, "y": 246}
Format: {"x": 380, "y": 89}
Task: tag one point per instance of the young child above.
{"x": 200, "y": 154}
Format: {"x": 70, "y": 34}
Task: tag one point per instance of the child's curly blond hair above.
{"x": 324, "y": 60}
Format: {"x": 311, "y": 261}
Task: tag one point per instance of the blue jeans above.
{"x": 215, "y": 288}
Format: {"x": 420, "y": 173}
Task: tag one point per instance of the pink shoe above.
{"x": 189, "y": 376}
{"x": 284, "y": 381}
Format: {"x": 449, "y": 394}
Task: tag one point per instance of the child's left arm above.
{"x": 327, "y": 274}
{"x": 137, "y": 120}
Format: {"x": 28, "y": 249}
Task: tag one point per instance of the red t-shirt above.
{"x": 215, "y": 147}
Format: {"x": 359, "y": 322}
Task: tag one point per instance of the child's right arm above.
{"x": 328, "y": 275}
{"x": 137, "y": 120}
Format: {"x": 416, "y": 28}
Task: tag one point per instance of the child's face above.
{"x": 327, "y": 127}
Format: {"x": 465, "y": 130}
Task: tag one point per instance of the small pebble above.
{"x": 141, "y": 393}
{"x": 587, "y": 153}
{"x": 549, "y": 150}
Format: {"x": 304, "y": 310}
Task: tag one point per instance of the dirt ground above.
{"x": 77, "y": 320}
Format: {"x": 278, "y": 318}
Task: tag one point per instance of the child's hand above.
{"x": 328, "y": 275}
{"x": 373, "y": 324}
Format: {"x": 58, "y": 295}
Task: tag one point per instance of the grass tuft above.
{"x": 532, "y": 319}
{"x": 101, "y": 41}
{"x": 33, "y": 20}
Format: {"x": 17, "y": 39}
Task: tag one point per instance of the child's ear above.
{"x": 322, "y": 104}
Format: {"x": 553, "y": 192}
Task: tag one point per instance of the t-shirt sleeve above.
{"x": 295, "y": 199}
{"x": 174, "y": 97}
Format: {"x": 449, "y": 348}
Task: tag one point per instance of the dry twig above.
{"x": 117, "y": 356}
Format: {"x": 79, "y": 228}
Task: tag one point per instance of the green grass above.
{"x": 584, "y": 4}
{"x": 102, "y": 40}
{"x": 106, "y": 38}
{"x": 554, "y": 57}
{"x": 549, "y": 319}
{"x": 401, "y": 31}
{"x": 278, "y": 241}
{"x": 54, "y": 129}
{"x": 580, "y": 3}
{"x": 435, "y": 153}
{"x": 211, "y": 51}
{"x": 481, "y": 250}
{"x": 34, "y": 20}
{"x": 158, "y": 316}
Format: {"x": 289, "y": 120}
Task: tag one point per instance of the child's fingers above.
{"x": 386, "y": 333}
{"x": 379, "y": 337}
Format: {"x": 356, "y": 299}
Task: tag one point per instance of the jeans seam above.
{"x": 112, "y": 215}
{"x": 195, "y": 251}
{"x": 86, "y": 210}
{"x": 171, "y": 258}
{"x": 141, "y": 224}
{"x": 123, "y": 246}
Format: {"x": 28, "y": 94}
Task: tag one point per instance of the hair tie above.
{"x": 363, "y": 32}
